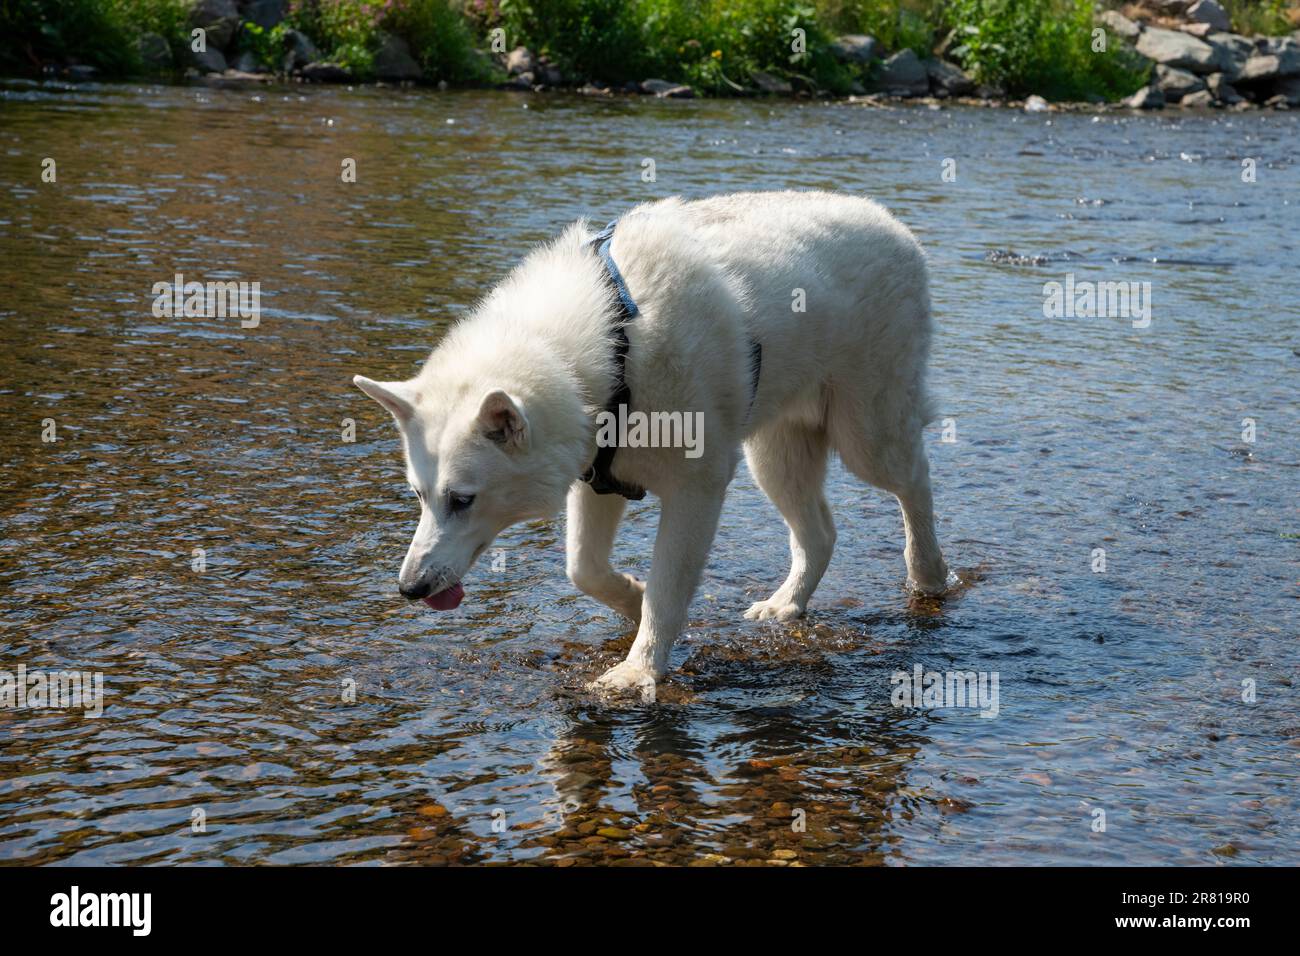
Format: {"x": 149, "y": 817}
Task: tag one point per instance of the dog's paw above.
{"x": 625, "y": 677}
{"x": 777, "y": 606}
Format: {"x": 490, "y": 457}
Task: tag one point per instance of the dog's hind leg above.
{"x": 788, "y": 460}
{"x": 591, "y": 521}
{"x": 894, "y": 459}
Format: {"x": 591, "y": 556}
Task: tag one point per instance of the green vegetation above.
{"x": 1020, "y": 46}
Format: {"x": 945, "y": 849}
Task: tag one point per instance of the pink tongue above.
{"x": 447, "y": 598}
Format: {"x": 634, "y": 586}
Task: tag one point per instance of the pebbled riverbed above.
{"x": 470, "y": 738}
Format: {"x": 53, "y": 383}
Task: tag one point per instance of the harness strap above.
{"x": 598, "y": 475}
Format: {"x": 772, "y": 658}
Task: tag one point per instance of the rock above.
{"x": 1147, "y": 98}
{"x": 265, "y": 13}
{"x": 549, "y": 74}
{"x": 209, "y": 61}
{"x": 246, "y": 63}
{"x": 299, "y": 51}
{"x": 662, "y": 88}
{"x": 520, "y": 60}
{"x": 769, "y": 83}
{"x": 1278, "y": 102}
{"x": 1208, "y": 11}
{"x": 855, "y": 48}
{"x": 81, "y": 72}
{"x": 1233, "y": 51}
{"x": 1197, "y": 99}
{"x": 326, "y": 73}
{"x": 1175, "y": 48}
{"x": 154, "y": 52}
{"x": 903, "y": 74}
{"x": 1176, "y": 83}
{"x": 1120, "y": 25}
{"x": 1218, "y": 85}
{"x": 948, "y": 78}
{"x": 1198, "y": 30}
{"x": 1290, "y": 88}
{"x": 520, "y": 81}
{"x": 1036, "y": 104}
{"x": 393, "y": 60}
{"x": 218, "y": 18}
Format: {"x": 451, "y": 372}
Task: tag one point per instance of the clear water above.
{"x": 471, "y": 737}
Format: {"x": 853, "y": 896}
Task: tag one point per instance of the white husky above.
{"x": 787, "y": 323}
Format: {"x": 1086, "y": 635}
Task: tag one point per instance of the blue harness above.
{"x": 598, "y": 475}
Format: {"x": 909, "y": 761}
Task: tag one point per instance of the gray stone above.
{"x": 903, "y": 74}
{"x": 298, "y": 51}
{"x": 855, "y": 48}
{"x": 1198, "y": 99}
{"x": 326, "y": 73}
{"x": 209, "y": 61}
{"x": 1218, "y": 84}
{"x": 1176, "y": 83}
{"x": 520, "y": 60}
{"x": 1120, "y": 25}
{"x": 948, "y": 78}
{"x": 1208, "y": 11}
{"x": 662, "y": 88}
{"x": 1232, "y": 51}
{"x": 769, "y": 83}
{"x": 393, "y": 60}
{"x": 1267, "y": 67}
{"x": 265, "y": 13}
{"x": 219, "y": 20}
{"x": 1175, "y": 48}
{"x": 1147, "y": 98}
{"x": 246, "y": 62}
{"x": 1036, "y": 104}
{"x": 154, "y": 52}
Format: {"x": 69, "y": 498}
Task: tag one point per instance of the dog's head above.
{"x": 473, "y": 459}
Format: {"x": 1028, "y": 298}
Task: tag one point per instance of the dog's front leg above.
{"x": 687, "y": 521}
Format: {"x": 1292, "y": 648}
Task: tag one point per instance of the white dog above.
{"x": 786, "y": 323}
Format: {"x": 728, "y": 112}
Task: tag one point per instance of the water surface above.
{"x": 471, "y": 737}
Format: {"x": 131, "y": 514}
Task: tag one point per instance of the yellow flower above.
{"x": 716, "y": 54}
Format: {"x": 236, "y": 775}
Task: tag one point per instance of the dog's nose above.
{"x": 414, "y": 591}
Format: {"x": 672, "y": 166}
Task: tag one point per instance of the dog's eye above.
{"x": 456, "y": 503}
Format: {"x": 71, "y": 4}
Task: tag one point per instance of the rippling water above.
{"x": 471, "y": 738}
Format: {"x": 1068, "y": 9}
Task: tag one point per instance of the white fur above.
{"x": 504, "y": 407}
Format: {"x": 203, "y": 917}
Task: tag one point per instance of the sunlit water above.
{"x": 471, "y": 737}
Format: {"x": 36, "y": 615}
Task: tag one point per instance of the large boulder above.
{"x": 1147, "y": 98}
{"x": 855, "y": 48}
{"x": 1175, "y": 48}
{"x": 1218, "y": 85}
{"x": 903, "y": 74}
{"x": 393, "y": 60}
{"x": 1209, "y": 12}
{"x": 298, "y": 51}
{"x": 1175, "y": 83}
{"x": 520, "y": 60}
{"x": 1289, "y": 88}
{"x": 210, "y": 60}
{"x": 948, "y": 79}
{"x": 1120, "y": 25}
{"x": 265, "y": 13}
{"x": 1199, "y": 99}
{"x": 219, "y": 19}
{"x": 1231, "y": 50}
{"x": 1268, "y": 67}
{"x": 326, "y": 73}
{"x": 155, "y": 54}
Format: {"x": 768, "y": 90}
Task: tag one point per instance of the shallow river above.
{"x": 1146, "y": 713}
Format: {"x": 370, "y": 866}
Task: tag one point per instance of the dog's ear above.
{"x": 397, "y": 397}
{"x": 502, "y": 420}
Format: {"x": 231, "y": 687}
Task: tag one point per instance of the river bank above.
{"x": 1029, "y": 53}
